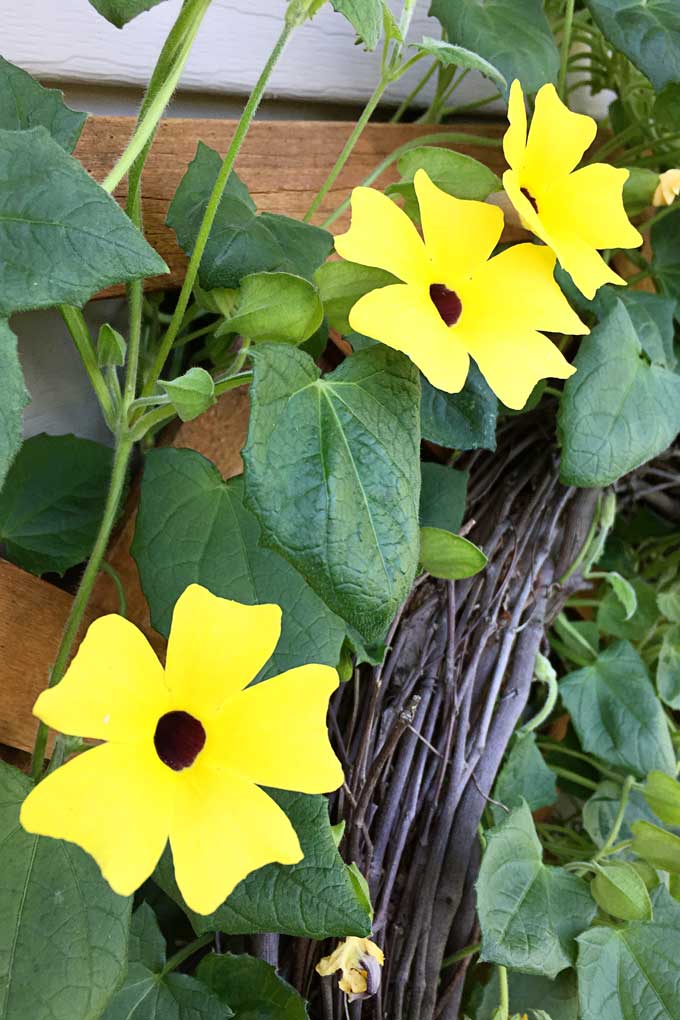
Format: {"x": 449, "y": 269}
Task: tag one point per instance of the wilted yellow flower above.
{"x": 455, "y": 301}
{"x": 187, "y": 749}
{"x": 668, "y": 188}
{"x": 576, "y": 212}
{"x": 360, "y": 961}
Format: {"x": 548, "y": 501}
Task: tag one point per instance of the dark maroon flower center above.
{"x": 178, "y": 739}
{"x": 530, "y": 197}
{"x": 447, "y": 303}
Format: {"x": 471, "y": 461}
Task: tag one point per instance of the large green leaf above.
{"x": 616, "y": 713}
{"x": 26, "y": 104}
{"x": 617, "y": 411}
{"x": 631, "y": 972}
{"x": 612, "y": 614}
{"x": 13, "y": 399}
{"x": 530, "y": 914}
{"x": 365, "y": 17}
{"x": 63, "y": 937}
{"x": 62, "y": 238}
{"x": 453, "y": 172}
{"x": 192, "y": 527}
{"x": 460, "y": 421}
{"x": 665, "y": 239}
{"x": 240, "y": 242}
{"x": 647, "y": 31}
{"x": 148, "y": 993}
{"x": 52, "y": 502}
{"x": 652, "y": 318}
{"x": 314, "y": 899}
{"x": 251, "y": 988}
{"x": 333, "y": 474}
{"x": 524, "y": 776}
{"x": 559, "y": 998}
{"x": 119, "y": 12}
{"x": 513, "y": 35}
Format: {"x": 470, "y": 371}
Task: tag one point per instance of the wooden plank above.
{"x": 284, "y": 163}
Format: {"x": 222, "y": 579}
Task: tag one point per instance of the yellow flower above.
{"x": 360, "y": 961}
{"x": 186, "y": 750}
{"x": 455, "y": 301}
{"x": 668, "y": 188}
{"x": 574, "y": 211}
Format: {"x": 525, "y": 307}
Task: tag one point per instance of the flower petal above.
{"x": 275, "y": 732}
{"x": 558, "y": 137}
{"x": 216, "y": 648}
{"x": 515, "y": 138}
{"x": 113, "y": 689}
{"x": 224, "y": 827}
{"x": 115, "y": 803}
{"x": 382, "y": 235}
{"x": 585, "y": 265}
{"x": 527, "y": 214}
{"x": 589, "y": 205}
{"x": 404, "y": 318}
{"x": 459, "y": 234}
{"x": 512, "y": 363}
{"x": 517, "y": 290}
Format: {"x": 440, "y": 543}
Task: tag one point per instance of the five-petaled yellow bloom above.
{"x": 574, "y": 211}
{"x": 455, "y": 301}
{"x": 186, "y": 749}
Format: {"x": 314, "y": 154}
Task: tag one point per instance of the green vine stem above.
{"x": 546, "y": 709}
{"x": 618, "y": 821}
{"x": 167, "y": 74}
{"x": 566, "y": 46}
{"x": 503, "y": 1011}
{"x": 186, "y": 953}
{"x": 77, "y": 327}
{"x": 211, "y": 211}
{"x": 441, "y": 138}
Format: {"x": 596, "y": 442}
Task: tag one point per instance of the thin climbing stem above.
{"x": 187, "y": 952}
{"x": 211, "y": 211}
{"x": 77, "y": 327}
{"x": 618, "y": 821}
{"x": 503, "y": 1011}
{"x": 565, "y": 47}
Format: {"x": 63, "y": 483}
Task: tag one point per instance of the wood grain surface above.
{"x": 284, "y": 163}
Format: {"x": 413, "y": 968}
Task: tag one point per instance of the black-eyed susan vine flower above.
{"x": 455, "y": 301}
{"x": 360, "y": 961}
{"x": 576, "y": 212}
{"x": 186, "y": 749}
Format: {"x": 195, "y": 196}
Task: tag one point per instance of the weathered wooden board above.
{"x": 284, "y": 163}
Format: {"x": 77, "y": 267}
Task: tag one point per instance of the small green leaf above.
{"x": 638, "y": 190}
{"x": 620, "y": 891}
{"x": 299, "y": 11}
{"x": 662, "y": 794}
{"x": 148, "y": 993}
{"x": 361, "y": 888}
{"x": 631, "y": 972}
{"x": 617, "y": 411}
{"x": 74, "y": 239}
{"x": 192, "y": 527}
{"x": 624, "y": 591}
{"x": 26, "y": 104}
{"x": 530, "y": 914}
{"x": 352, "y": 437}
{"x": 190, "y": 394}
{"x": 669, "y": 604}
{"x": 616, "y": 713}
{"x": 524, "y": 777}
{"x": 278, "y": 307}
{"x": 460, "y": 421}
{"x": 341, "y": 284}
{"x": 365, "y": 17}
{"x": 63, "y": 937}
{"x": 449, "y": 556}
{"x": 52, "y": 502}
{"x": 111, "y": 347}
{"x": 13, "y": 399}
{"x": 443, "y": 492}
{"x": 457, "y": 56}
{"x": 119, "y": 12}
{"x": 647, "y": 31}
{"x": 241, "y": 242}
{"x": 668, "y": 668}
{"x": 513, "y": 35}
{"x": 612, "y": 613}
{"x": 656, "y": 846}
{"x": 251, "y": 988}
{"x": 314, "y": 899}
{"x": 453, "y": 172}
